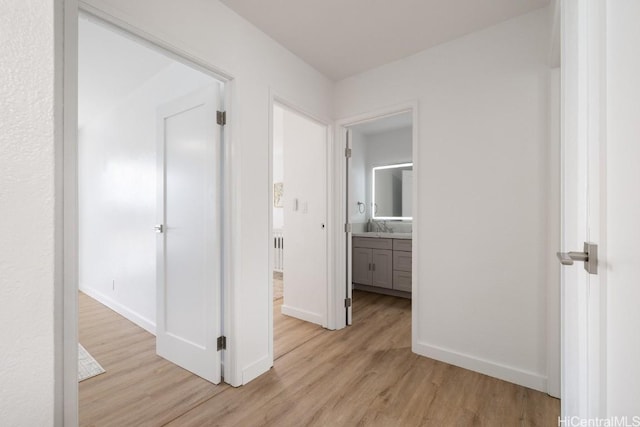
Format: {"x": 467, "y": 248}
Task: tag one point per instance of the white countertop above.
{"x": 382, "y": 235}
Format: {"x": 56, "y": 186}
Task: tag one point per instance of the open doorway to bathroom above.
{"x": 380, "y": 200}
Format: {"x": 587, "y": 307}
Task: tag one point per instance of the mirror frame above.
{"x": 373, "y": 193}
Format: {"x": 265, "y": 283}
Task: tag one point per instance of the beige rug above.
{"x": 87, "y": 366}
{"x": 278, "y": 285}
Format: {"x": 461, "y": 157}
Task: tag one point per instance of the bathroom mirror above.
{"x": 392, "y": 188}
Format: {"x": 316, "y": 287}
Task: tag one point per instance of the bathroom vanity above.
{"x": 381, "y": 262}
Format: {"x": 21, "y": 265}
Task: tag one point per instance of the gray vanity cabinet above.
{"x": 372, "y": 262}
{"x": 361, "y": 270}
{"x": 382, "y": 266}
{"x": 402, "y": 257}
{"x": 373, "y": 267}
{"x": 382, "y": 263}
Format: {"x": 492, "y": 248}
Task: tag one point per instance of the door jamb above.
{"x": 67, "y": 13}
{"x": 341, "y": 268}
{"x": 583, "y": 106}
{"x": 275, "y": 98}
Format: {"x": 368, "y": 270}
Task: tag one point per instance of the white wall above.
{"x": 103, "y": 56}
{"x": 390, "y": 147}
{"x": 118, "y": 193}
{"x": 386, "y": 148}
{"x": 211, "y": 32}
{"x": 305, "y": 210}
{"x": 368, "y": 151}
{"x": 482, "y": 126}
{"x": 358, "y": 181}
{"x": 623, "y": 209}
{"x": 27, "y": 212}
{"x": 278, "y": 160}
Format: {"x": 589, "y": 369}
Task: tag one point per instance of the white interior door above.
{"x": 582, "y": 95}
{"x": 305, "y": 218}
{"x": 189, "y": 245}
{"x": 623, "y": 210}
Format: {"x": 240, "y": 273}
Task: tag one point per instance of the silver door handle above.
{"x": 589, "y": 256}
{"x": 567, "y": 258}
{"x": 159, "y": 228}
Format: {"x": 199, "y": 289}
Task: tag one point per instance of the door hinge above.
{"x": 347, "y": 153}
{"x": 221, "y": 118}
{"x": 347, "y": 228}
{"x": 222, "y": 343}
{"x": 347, "y": 302}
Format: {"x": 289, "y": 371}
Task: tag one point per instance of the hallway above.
{"x": 362, "y": 375}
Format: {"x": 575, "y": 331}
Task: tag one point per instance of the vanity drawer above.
{"x": 402, "y": 261}
{"x": 372, "y": 242}
{"x": 402, "y": 245}
{"x": 402, "y": 281}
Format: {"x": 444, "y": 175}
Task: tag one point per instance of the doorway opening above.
{"x": 151, "y": 180}
{"x": 299, "y": 239}
{"x": 379, "y": 210}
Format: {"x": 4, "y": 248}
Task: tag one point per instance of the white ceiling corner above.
{"x": 343, "y": 38}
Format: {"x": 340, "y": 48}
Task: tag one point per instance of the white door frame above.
{"x": 342, "y": 271}
{"x": 66, "y": 215}
{"x": 553, "y": 236}
{"x": 583, "y": 306}
{"x": 277, "y": 99}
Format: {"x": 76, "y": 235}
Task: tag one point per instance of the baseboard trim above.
{"x": 122, "y": 310}
{"x": 256, "y": 369}
{"x": 307, "y": 316}
{"x": 483, "y": 366}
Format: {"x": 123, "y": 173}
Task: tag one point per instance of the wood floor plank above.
{"x": 289, "y": 333}
{"x": 138, "y": 387}
{"x": 362, "y": 375}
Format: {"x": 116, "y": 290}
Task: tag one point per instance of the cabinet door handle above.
{"x": 369, "y": 266}
{"x": 374, "y": 267}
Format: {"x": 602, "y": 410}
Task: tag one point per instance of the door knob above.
{"x": 589, "y": 256}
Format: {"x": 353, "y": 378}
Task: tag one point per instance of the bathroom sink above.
{"x": 383, "y": 235}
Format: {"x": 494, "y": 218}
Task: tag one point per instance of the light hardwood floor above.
{"x": 362, "y": 375}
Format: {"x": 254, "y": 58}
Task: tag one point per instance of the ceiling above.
{"x": 342, "y": 38}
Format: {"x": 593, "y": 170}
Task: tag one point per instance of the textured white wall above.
{"x": 26, "y": 212}
{"x": 482, "y": 161}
